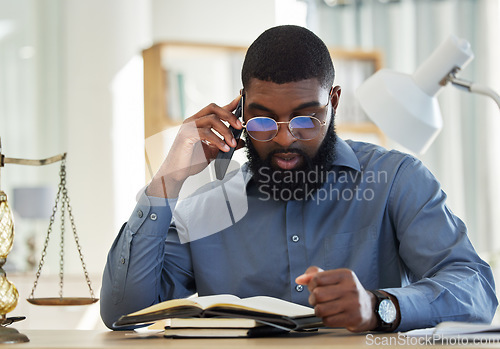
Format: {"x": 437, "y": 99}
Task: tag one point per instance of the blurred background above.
{"x": 72, "y": 80}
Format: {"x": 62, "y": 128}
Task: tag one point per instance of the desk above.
{"x": 128, "y": 339}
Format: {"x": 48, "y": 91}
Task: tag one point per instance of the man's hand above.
{"x": 195, "y": 145}
{"x": 339, "y": 299}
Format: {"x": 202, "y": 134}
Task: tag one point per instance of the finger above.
{"x": 207, "y": 135}
{"x": 327, "y": 309}
{"x": 212, "y": 121}
{"x": 305, "y": 278}
{"x": 338, "y": 320}
{"x": 313, "y": 270}
{"x": 352, "y": 322}
{"x": 210, "y": 150}
{"x": 221, "y": 113}
{"x": 323, "y": 294}
{"x": 309, "y": 277}
{"x": 331, "y": 277}
{"x": 344, "y": 312}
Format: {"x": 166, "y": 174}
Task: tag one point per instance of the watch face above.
{"x": 387, "y": 311}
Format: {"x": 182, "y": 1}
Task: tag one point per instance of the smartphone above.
{"x": 224, "y": 158}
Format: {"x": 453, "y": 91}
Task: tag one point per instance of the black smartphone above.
{"x": 224, "y": 158}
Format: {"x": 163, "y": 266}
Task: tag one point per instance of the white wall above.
{"x": 232, "y": 22}
{"x": 100, "y": 38}
{"x": 29, "y": 104}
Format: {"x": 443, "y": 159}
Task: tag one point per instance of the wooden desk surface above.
{"x": 128, "y": 339}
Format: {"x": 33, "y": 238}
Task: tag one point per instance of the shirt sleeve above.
{"x": 146, "y": 263}
{"x": 447, "y": 279}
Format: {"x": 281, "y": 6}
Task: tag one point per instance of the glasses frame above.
{"x": 278, "y": 123}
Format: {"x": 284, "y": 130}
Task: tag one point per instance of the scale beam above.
{"x": 29, "y": 162}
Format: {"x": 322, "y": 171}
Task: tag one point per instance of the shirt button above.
{"x": 153, "y": 216}
{"x": 299, "y": 288}
{"x": 122, "y": 260}
{"x": 139, "y": 214}
{"x": 295, "y": 238}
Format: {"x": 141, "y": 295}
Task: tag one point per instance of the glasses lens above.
{"x": 305, "y": 127}
{"x": 262, "y": 129}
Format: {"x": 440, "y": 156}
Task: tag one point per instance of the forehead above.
{"x": 269, "y": 93}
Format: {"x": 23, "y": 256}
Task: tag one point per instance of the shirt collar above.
{"x": 345, "y": 157}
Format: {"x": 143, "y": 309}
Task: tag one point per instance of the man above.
{"x": 360, "y": 233}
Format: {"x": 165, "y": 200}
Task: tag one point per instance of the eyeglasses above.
{"x": 304, "y": 128}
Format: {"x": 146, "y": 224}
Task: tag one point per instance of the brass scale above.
{"x": 62, "y": 199}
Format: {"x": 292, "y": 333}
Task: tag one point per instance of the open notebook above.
{"x": 263, "y": 309}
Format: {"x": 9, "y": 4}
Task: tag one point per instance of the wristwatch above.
{"x": 385, "y": 311}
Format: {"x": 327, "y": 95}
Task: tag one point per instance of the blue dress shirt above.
{"x": 381, "y": 213}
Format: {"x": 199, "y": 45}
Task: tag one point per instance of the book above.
{"x": 258, "y": 331}
{"x": 213, "y": 327}
{"x": 212, "y": 322}
{"x": 200, "y": 322}
{"x": 456, "y": 329}
{"x": 263, "y": 309}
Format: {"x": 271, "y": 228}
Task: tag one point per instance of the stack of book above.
{"x": 226, "y": 316}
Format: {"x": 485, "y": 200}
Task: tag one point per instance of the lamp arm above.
{"x": 485, "y": 90}
{"x": 472, "y": 87}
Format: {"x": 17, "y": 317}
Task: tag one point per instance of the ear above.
{"x": 335, "y": 96}
{"x": 334, "y": 99}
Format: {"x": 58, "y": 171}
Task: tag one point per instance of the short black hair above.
{"x": 288, "y": 53}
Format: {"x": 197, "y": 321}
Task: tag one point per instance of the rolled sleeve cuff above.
{"x": 415, "y": 309}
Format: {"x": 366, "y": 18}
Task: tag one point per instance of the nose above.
{"x": 284, "y": 138}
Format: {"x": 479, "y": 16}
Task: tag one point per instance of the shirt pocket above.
{"x": 355, "y": 250}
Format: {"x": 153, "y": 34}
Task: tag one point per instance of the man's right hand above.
{"x": 194, "y": 147}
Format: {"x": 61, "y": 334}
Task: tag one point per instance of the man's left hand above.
{"x": 339, "y": 299}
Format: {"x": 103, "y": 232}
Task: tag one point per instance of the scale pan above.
{"x": 62, "y": 301}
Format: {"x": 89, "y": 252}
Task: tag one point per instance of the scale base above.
{"x": 11, "y": 335}
{"x": 62, "y": 301}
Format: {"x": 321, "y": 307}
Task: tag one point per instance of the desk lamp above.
{"x": 405, "y": 106}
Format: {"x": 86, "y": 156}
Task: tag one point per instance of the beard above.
{"x": 297, "y": 183}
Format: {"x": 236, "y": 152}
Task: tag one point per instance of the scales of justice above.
{"x": 8, "y": 292}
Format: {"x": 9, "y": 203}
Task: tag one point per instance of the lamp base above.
{"x": 11, "y": 335}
